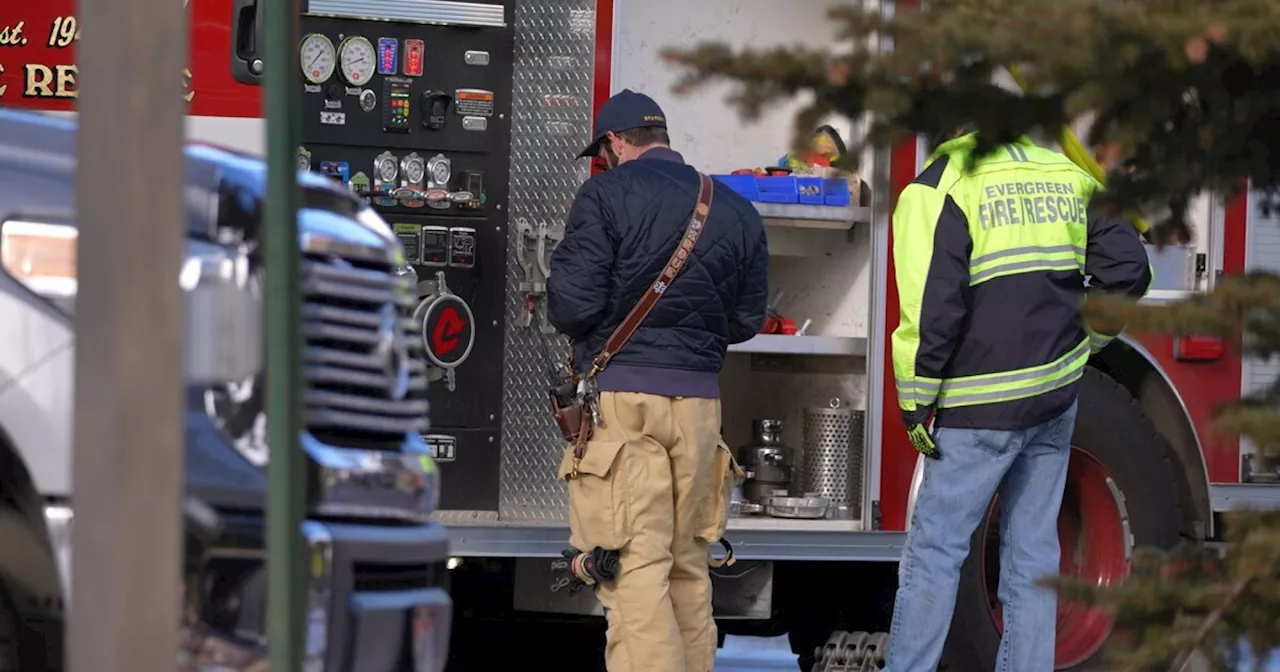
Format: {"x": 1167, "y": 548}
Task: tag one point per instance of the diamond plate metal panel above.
{"x": 551, "y": 122}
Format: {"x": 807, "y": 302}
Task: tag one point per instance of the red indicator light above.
{"x": 1198, "y": 348}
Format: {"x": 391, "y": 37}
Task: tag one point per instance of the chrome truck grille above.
{"x": 365, "y": 381}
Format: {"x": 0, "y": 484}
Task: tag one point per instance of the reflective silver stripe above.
{"x": 924, "y": 385}
{"x": 920, "y": 398}
{"x": 1011, "y": 395}
{"x": 1033, "y": 265}
{"x": 1030, "y": 249}
{"x": 922, "y": 391}
{"x": 1099, "y": 341}
{"x": 1072, "y": 358}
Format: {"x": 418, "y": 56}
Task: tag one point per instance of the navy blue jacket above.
{"x": 622, "y": 229}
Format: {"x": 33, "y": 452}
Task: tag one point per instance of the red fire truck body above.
{"x": 1161, "y": 389}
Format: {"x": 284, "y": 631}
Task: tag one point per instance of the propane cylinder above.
{"x": 767, "y": 461}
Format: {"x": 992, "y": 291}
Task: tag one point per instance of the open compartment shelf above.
{"x": 777, "y": 344}
{"x": 805, "y": 216}
{"x": 816, "y": 385}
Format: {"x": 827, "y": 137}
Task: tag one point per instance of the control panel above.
{"x": 416, "y": 117}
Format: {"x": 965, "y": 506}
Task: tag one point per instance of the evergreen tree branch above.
{"x": 1183, "y": 93}
{"x": 1202, "y": 632}
{"x": 1179, "y": 87}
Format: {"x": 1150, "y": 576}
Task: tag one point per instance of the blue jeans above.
{"x": 1029, "y": 469}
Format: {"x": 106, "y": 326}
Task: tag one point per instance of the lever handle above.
{"x": 246, "y": 41}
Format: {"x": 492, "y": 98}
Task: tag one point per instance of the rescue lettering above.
{"x": 43, "y": 81}
{"x": 52, "y": 80}
{"x": 1030, "y": 202}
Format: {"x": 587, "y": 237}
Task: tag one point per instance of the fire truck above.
{"x": 459, "y": 121}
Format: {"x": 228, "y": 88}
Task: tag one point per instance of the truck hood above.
{"x": 225, "y": 188}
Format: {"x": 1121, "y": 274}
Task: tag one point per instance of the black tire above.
{"x": 1112, "y": 428}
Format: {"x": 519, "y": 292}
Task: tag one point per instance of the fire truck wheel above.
{"x": 1121, "y": 472}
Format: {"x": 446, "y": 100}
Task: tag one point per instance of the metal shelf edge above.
{"x": 1236, "y": 496}
{"x": 803, "y": 215}
{"x": 547, "y": 541}
{"x": 777, "y": 344}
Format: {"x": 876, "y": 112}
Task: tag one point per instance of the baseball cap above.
{"x": 624, "y": 110}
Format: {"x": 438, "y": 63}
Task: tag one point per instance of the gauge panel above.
{"x": 386, "y": 119}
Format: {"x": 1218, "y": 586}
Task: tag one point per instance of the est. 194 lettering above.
{"x": 11, "y": 36}
{"x": 64, "y": 31}
{"x": 56, "y": 81}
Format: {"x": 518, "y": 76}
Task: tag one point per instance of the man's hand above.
{"x": 917, "y": 423}
{"x": 923, "y": 442}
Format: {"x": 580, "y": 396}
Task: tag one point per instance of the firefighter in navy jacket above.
{"x": 650, "y": 482}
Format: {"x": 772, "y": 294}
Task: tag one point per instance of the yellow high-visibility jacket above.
{"x": 991, "y": 264}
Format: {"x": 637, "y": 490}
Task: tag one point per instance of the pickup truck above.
{"x": 377, "y": 566}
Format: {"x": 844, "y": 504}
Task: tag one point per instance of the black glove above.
{"x": 917, "y": 423}
{"x": 576, "y": 568}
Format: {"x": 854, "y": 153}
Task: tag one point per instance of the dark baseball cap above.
{"x": 626, "y": 109}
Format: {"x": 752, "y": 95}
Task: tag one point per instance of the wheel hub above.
{"x": 1093, "y": 532}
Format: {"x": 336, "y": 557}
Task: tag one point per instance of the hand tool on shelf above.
{"x": 775, "y": 322}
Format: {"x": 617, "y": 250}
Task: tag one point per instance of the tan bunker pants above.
{"x": 655, "y": 484}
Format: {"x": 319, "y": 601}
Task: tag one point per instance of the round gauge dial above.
{"x": 439, "y": 171}
{"x": 317, "y": 57}
{"x": 387, "y": 169}
{"x": 357, "y": 59}
{"x": 414, "y": 170}
{"x": 304, "y": 162}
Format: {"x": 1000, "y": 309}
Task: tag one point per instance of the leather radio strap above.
{"x": 693, "y": 230}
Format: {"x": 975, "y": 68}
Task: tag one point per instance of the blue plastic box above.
{"x": 788, "y": 189}
{"x": 743, "y": 185}
{"x": 778, "y": 189}
{"x": 836, "y": 192}
{"x": 810, "y": 190}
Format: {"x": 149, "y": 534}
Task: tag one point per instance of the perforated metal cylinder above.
{"x": 832, "y": 465}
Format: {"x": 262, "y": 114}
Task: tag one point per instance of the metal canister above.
{"x": 832, "y": 466}
{"x": 767, "y": 461}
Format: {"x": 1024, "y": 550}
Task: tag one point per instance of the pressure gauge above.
{"x": 316, "y": 55}
{"x": 357, "y": 59}
{"x": 414, "y": 169}
{"x": 304, "y": 159}
{"x": 386, "y": 167}
{"x": 439, "y": 168}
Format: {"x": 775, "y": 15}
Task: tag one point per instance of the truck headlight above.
{"x": 223, "y": 298}
{"x": 42, "y": 256}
